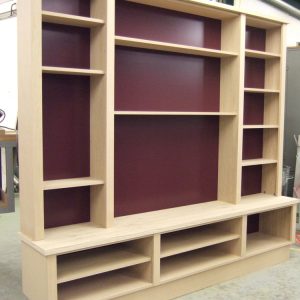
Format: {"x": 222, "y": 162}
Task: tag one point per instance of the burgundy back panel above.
{"x": 255, "y": 38}
{"x": 251, "y": 180}
{"x": 66, "y": 126}
{"x": 156, "y": 81}
{"x": 253, "y": 223}
{"x": 152, "y": 23}
{"x": 73, "y": 7}
{"x": 254, "y": 109}
{"x": 66, "y": 206}
{"x": 255, "y": 73}
{"x": 252, "y": 143}
{"x": 164, "y": 161}
{"x": 66, "y": 46}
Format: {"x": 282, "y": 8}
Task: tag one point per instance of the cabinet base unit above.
{"x": 150, "y": 147}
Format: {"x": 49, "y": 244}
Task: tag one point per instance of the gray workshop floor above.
{"x": 281, "y": 282}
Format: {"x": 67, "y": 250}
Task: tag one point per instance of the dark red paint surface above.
{"x": 66, "y": 46}
{"x": 253, "y": 143}
{"x": 253, "y": 109}
{"x": 73, "y": 7}
{"x": 164, "y": 161}
{"x": 66, "y": 206}
{"x": 254, "y": 73}
{"x": 157, "y": 81}
{"x": 253, "y": 223}
{"x": 251, "y": 180}
{"x": 66, "y": 126}
{"x": 255, "y": 38}
{"x": 152, "y": 23}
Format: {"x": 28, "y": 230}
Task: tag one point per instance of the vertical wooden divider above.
{"x": 101, "y": 114}
{"x": 231, "y": 89}
{"x": 244, "y": 236}
{"x": 30, "y": 118}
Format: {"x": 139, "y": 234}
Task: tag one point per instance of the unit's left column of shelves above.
{"x": 64, "y": 113}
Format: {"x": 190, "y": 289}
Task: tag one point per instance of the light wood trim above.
{"x": 260, "y": 126}
{"x": 30, "y": 124}
{"x": 261, "y": 54}
{"x": 258, "y": 161}
{"x": 259, "y": 243}
{"x": 82, "y": 236}
{"x": 174, "y": 113}
{"x": 270, "y": 142}
{"x": 264, "y": 91}
{"x": 71, "y": 71}
{"x": 244, "y": 236}
{"x": 156, "y": 258}
{"x": 71, "y": 20}
{"x": 92, "y": 262}
{"x": 272, "y": 74}
{"x": 44, "y": 284}
{"x": 192, "y": 239}
{"x": 70, "y": 183}
{"x": 105, "y": 286}
{"x": 204, "y": 279}
{"x": 269, "y": 179}
{"x": 271, "y": 107}
{"x": 170, "y": 47}
{"x": 274, "y": 40}
{"x": 260, "y": 21}
{"x": 101, "y": 114}
{"x": 230, "y": 130}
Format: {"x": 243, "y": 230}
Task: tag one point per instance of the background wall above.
{"x": 8, "y": 67}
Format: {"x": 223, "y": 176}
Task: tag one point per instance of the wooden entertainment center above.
{"x": 150, "y": 135}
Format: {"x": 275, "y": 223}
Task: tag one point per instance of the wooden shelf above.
{"x": 258, "y": 161}
{"x": 261, "y": 91}
{"x": 190, "y": 263}
{"x": 260, "y": 126}
{"x": 91, "y": 262}
{"x": 174, "y": 113}
{"x": 71, "y": 20}
{"x": 69, "y": 183}
{"x": 261, "y": 54}
{"x": 106, "y": 286}
{"x": 259, "y": 242}
{"x": 71, "y": 71}
{"x": 191, "y": 239}
{"x": 170, "y": 47}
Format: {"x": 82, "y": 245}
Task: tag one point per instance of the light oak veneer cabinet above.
{"x": 150, "y": 147}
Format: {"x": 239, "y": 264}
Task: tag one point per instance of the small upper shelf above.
{"x": 71, "y": 71}
{"x": 71, "y": 20}
{"x": 261, "y": 91}
{"x": 258, "y": 161}
{"x": 261, "y": 54}
{"x": 174, "y": 113}
{"x": 170, "y": 47}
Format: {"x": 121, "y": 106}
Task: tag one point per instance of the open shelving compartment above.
{"x": 189, "y": 251}
{"x": 74, "y": 70}
{"x": 105, "y": 272}
{"x": 269, "y": 230}
{"x": 159, "y": 125}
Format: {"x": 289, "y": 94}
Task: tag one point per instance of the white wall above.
{"x": 293, "y": 28}
{"x": 8, "y": 68}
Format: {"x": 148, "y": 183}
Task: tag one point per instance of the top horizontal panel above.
{"x": 72, "y": 7}
{"x": 157, "y": 24}
{"x": 260, "y": 22}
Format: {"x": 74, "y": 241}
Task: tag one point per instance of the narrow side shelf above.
{"x": 71, "y": 20}
{"x": 182, "y": 241}
{"x": 69, "y": 183}
{"x": 261, "y": 91}
{"x": 170, "y": 47}
{"x": 259, "y": 161}
{"x": 91, "y": 262}
{"x": 71, "y": 71}
{"x": 104, "y": 286}
{"x": 261, "y": 54}
{"x": 190, "y": 263}
{"x": 260, "y": 242}
{"x": 174, "y": 113}
{"x": 260, "y": 126}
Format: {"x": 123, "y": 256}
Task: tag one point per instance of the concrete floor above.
{"x": 281, "y": 282}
